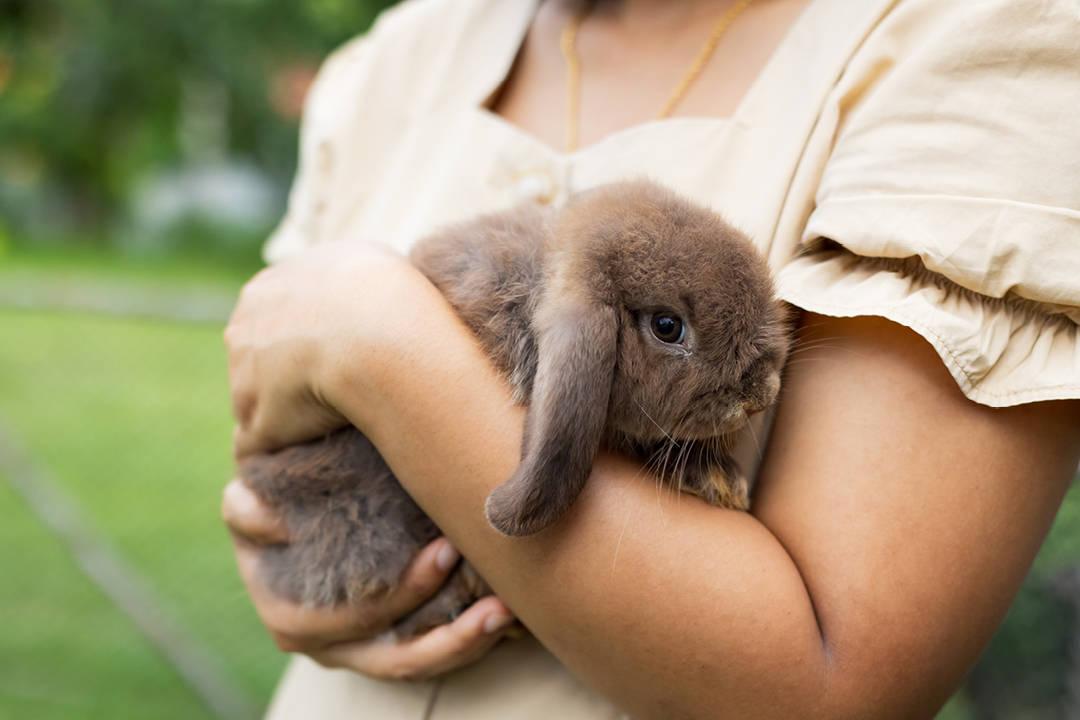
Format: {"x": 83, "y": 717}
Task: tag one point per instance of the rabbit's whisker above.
{"x": 806, "y": 341}
{"x": 658, "y": 463}
{"x": 638, "y": 476}
{"x": 652, "y": 466}
{"x": 803, "y": 331}
{"x": 802, "y": 345}
{"x": 658, "y": 426}
{"x": 692, "y": 455}
{"x": 619, "y": 543}
{"x": 684, "y": 461}
{"x": 757, "y": 443}
{"x": 668, "y": 448}
{"x": 808, "y": 326}
{"x": 800, "y": 351}
{"x": 674, "y": 481}
{"x": 810, "y": 344}
{"x": 799, "y": 361}
{"x": 662, "y": 453}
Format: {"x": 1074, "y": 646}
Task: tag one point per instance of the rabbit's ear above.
{"x": 566, "y": 417}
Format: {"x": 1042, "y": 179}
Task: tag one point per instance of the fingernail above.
{"x": 497, "y": 621}
{"x": 447, "y": 557}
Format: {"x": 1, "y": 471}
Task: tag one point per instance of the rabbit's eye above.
{"x": 668, "y": 328}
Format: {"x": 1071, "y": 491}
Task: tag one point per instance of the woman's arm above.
{"x": 893, "y": 523}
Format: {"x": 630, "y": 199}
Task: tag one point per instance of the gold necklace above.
{"x": 573, "y": 65}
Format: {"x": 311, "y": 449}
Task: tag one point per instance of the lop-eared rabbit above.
{"x": 630, "y": 318}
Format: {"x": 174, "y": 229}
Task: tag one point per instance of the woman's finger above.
{"x": 248, "y": 519}
{"x": 299, "y": 628}
{"x": 447, "y": 647}
{"x": 422, "y": 579}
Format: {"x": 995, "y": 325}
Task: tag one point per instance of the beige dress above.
{"x": 917, "y": 160}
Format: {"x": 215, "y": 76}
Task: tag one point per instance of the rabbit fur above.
{"x": 630, "y": 318}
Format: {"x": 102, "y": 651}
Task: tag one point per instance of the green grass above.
{"x": 133, "y": 418}
{"x": 65, "y": 651}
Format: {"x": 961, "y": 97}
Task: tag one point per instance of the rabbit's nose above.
{"x": 753, "y": 406}
{"x": 764, "y": 398}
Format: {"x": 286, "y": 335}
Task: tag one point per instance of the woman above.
{"x": 920, "y": 154}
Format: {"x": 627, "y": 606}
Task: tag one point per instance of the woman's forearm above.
{"x": 664, "y": 604}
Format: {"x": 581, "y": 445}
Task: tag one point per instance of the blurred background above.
{"x": 146, "y": 148}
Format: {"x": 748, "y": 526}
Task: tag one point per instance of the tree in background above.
{"x": 98, "y": 97}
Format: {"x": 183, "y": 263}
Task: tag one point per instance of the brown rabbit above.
{"x": 631, "y": 318}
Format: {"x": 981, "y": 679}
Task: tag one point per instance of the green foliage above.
{"x": 1030, "y": 669}
{"x": 1025, "y": 671}
{"x": 91, "y": 91}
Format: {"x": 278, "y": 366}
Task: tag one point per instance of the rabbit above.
{"x": 630, "y": 318}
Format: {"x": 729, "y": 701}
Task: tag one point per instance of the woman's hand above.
{"x": 296, "y": 325}
{"x": 295, "y": 343}
{"x": 351, "y": 636}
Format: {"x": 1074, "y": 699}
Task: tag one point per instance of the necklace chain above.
{"x": 568, "y": 43}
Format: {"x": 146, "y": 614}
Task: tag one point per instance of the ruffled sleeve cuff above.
{"x": 1002, "y": 352}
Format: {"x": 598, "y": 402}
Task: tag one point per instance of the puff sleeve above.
{"x": 950, "y": 202}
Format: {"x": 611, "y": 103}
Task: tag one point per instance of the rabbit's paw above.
{"x": 717, "y": 486}
{"x": 462, "y": 589}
